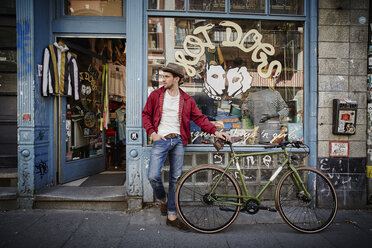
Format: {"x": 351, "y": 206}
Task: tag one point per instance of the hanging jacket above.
{"x": 60, "y": 72}
{"x": 152, "y": 112}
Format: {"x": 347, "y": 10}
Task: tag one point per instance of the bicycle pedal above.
{"x": 267, "y": 208}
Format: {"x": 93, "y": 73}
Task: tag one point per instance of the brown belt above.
{"x": 172, "y": 136}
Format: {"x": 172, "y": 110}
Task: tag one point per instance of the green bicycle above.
{"x": 209, "y": 198}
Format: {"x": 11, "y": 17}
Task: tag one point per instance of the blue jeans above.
{"x": 160, "y": 150}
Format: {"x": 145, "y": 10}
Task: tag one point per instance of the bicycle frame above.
{"x": 297, "y": 180}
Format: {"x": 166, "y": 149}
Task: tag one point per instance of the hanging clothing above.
{"x": 60, "y": 72}
{"x": 120, "y": 121}
{"x": 105, "y": 120}
{"x": 117, "y": 82}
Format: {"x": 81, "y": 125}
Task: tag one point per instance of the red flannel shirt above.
{"x": 152, "y": 112}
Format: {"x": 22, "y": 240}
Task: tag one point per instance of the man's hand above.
{"x": 156, "y": 137}
{"x": 223, "y": 136}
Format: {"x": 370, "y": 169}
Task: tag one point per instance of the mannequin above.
{"x": 265, "y": 105}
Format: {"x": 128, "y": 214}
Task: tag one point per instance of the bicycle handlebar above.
{"x": 283, "y": 144}
{"x": 218, "y": 144}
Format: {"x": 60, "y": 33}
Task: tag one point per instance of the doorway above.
{"x": 93, "y": 123}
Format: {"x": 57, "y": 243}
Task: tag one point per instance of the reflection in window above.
{"x": 94, "y": 7}
{"x": 295, "y": 7}
{"x": 167, "y": 4}
{"x": 252, "y": 6}
{"x": 246, "y": 76}
{"x": 207, "y": 5}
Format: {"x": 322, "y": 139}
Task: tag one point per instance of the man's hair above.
{"x": 176, "y": 75}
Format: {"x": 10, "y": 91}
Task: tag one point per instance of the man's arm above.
{"x": 202, "y": 121}
{"x": 147, "y": 116}
{"x": 147, "y": 119}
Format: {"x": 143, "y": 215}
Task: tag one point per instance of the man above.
{"x": 166, "y": 118}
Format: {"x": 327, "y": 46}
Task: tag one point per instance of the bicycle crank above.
{"x": 252, "y": 206}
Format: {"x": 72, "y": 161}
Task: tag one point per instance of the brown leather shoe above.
{"x": 178, "y": 224}
{"x": 164, "y": 208}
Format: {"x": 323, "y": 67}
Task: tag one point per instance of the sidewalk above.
{"x": 146, "y": 228}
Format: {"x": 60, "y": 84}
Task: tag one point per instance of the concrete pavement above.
{"x": 146, "y": 228}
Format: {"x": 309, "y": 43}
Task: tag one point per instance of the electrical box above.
{"x": 344, "y": 116}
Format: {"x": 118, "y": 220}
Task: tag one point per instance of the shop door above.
{"x": 85, "y": 122}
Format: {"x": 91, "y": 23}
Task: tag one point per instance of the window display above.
{"x": 94, "y": 7}
{"x": 253, "y": 6}
{"x": 295, "y": 7}
{"x": 167, "y": 4}
{"x": 101, "y": 106}
{"x": 245, "y": 75}
{"x": 207, "y": 5}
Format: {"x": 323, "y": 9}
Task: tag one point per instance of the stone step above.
{"x": 8, "y": 198}
{"x": 8, "y": 177}
{"x": 106, "y": 198}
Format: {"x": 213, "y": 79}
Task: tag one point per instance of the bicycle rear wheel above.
{"x": 298, "y": 211}
{"x": 197, "y": 210}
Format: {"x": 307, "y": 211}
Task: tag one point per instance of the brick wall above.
{"x": 342, "y": 73}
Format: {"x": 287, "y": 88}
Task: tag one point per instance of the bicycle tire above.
{"x": 307, "y": 215}
{"x": 199, "y": 213}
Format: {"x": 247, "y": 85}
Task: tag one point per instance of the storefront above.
{"x": 248, "y": 65}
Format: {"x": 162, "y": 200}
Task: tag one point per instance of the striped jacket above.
{"x": 60, "y": 72}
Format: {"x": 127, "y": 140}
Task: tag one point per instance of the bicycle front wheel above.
{"x": 306, "y": 214}
{"x": 202, "y": 211}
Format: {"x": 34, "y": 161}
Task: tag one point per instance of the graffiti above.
{"x": 250, "y": 161}
{"x": 40, "y": 135}
{"x": 259, "y": 54}
{"x": 266, "y": 160}
{"x": 41, "y": 168}
{"x": 335, "y": 83}
{"x": 23, "y": 44}
{"x": 134, "y": 182}
{"x": 218, "y": 158}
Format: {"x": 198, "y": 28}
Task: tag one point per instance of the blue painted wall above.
{"x": 44, "y": 121}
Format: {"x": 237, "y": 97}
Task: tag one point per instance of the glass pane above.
{"x": 207, "y": 5}
{"x": 295, "y": 7}
{"x": 167, "y": 4}
{"x": 84, "y": 118}
{"x": 94, "y": 7}
{"x": 252, "y": 6}
{"x": 246, "y": 76}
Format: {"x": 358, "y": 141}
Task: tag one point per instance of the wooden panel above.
{"x": 8, "y": 37}
{"x": 8, "y": 82}
{"x": 10, "y": 111}
{"x": 8, "y": 138}
{"x": 8, "y": 161}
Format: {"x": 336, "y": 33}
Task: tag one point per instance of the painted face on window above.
{"x": 215, "y": 80}
{"x": 239, "y": 81}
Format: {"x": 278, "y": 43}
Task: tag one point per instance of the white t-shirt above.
{"x": 169, "y": 122}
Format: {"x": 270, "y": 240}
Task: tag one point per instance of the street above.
{"x": 146, "y": 228}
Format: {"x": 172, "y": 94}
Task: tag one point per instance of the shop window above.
{"x": 207, "y": 5}
{"x": 295, "y": 7}
{"x": 167, "y": 4}
{"x": 94, "y": 7}
{"x": 246, "y": 76}
{"x": 100, "y": 110}
{"x": 253, "y": 6}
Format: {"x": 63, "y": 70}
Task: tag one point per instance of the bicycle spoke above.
{"x": 300, "y": 213}
{"x": 194, "y": 207}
